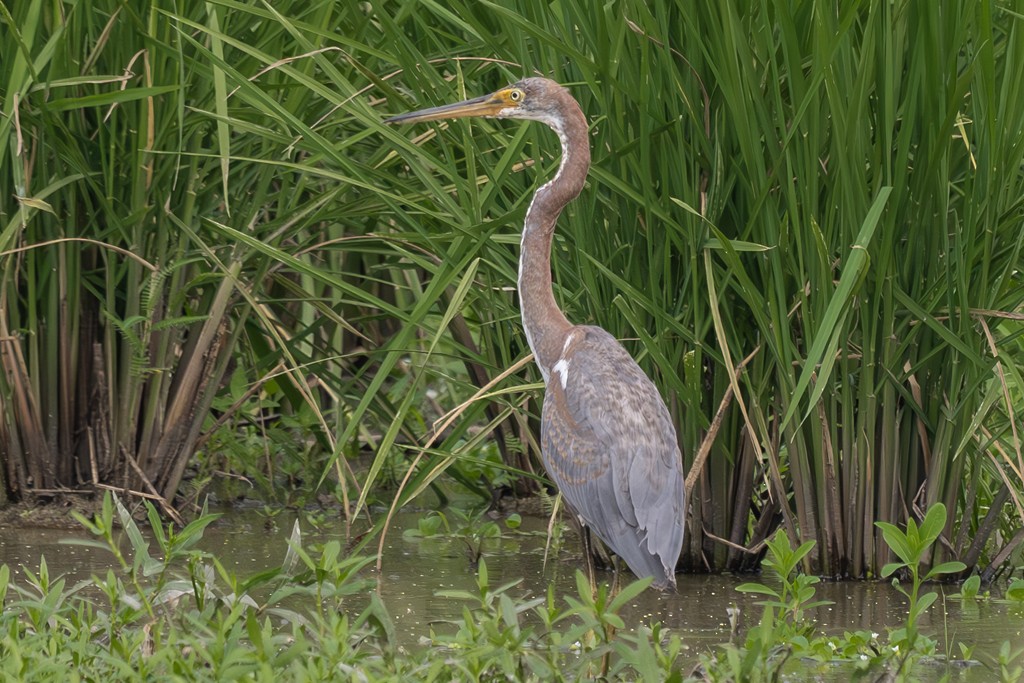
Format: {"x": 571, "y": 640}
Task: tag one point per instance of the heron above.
{"x": 607, "y": 440}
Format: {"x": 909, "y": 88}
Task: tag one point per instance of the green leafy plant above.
{"x": 912, "y": 547}
{"x": 169, "y": 610}
{"x": 430, "y": 525}
{"x": 782, "y": 206}
{"x": 598, "y": 611}
{"x": 969, "y": 589}
{"x": 796, "y": 592}
{"x": 578, "y": 640}
{"x": 1015, "y": 591}
{"x": 471, "y": 527}
{"x": 649, "y": 652}
{"x": 491, "y": 636}
{"x": 1008, "y": 664}
{"x": 783, "y": 630}
{"x": 180, "y": 612}
{"x": 228, "y": 251}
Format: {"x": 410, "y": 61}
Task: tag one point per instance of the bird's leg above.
{"x": 609, "y": 630}
{"x": 595, "y": 554}
{"x": 616, "y": 574}
{"x": 588, "y": 555}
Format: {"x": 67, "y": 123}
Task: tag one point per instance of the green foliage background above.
{"x": 834, "y": 191}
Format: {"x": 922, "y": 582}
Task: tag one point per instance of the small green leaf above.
{"x": 1015, "y": 591}
{"x": 489, "y": 530}
{"x": 931, "y": 525}
{"x": 888, "y": 569}
{"x": 583, "y": 587}
{"x": 481, "y": 574}
{"x": 757, "y": 588}
{"x": 897, "y": 542}
{"x": 629, "y": 592}
{"x": 508, "y": 610}
{"x": 736, "y": 245}
{"x": 923, "y": 603}
{"x": 615, "y": 620}
{"x": 34, "y": 203}
{"x": 913, "y": 535}
{"x": 802, "y": 551}
{"x": 969, "y": 588}
{"x": 951, "y": 567}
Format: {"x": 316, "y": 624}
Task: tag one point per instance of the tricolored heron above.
{"x": 606, "y": 437}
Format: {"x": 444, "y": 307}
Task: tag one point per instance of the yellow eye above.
{"x": 515, "y": 95}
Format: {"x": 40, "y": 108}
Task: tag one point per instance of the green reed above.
{"x": 833, "y": 193}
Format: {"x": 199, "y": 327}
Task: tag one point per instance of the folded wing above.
{"x": 609, "y": 445}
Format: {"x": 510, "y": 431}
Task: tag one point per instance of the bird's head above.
{"x": 530, "y": 98}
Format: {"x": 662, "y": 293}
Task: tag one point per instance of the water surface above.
{"x": 414, "y": 571}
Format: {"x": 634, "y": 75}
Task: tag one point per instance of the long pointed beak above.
{"x": 488, "y": 105}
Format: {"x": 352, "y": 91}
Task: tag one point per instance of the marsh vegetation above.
{"x": 221, "y": 600}
{"x": 221, "y": 275}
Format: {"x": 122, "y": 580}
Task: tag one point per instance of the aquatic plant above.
{"x": 783, "y": 630}
{"x": 176, "y": 611}
{"x": 913, "y": 547}
{"x": 472, "y": 527}
{"x": 1015, "y": 591}
{"x": 170, "y": 611}
{"x": 969, "y": 589}
{"x": 212, "y": 244}
{"x": 784, "y": 633}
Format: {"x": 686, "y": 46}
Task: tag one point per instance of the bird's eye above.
{"x": 515, "y": 95}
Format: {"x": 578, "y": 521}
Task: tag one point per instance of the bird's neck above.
{"x": 545, "y": 325}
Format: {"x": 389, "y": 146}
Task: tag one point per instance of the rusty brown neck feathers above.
{"x": 545, "y": 325}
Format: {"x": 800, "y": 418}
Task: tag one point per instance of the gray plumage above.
{"x": 610, "y": 447}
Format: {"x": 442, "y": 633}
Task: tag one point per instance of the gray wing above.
{"x": 608, "y": 443}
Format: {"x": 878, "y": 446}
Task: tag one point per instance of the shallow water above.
{"x": 415, "y": 570}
